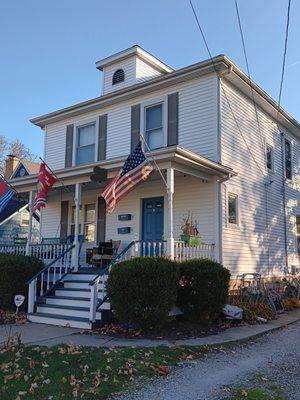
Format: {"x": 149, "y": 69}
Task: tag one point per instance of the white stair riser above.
{"x": 75, "y": 293}
{"x": 68, "y": 302}
{"x": 59, "y": 322}
{"x": 81, "y": 277}
{"x": 80, "y": 285}
{"x": 69, "y": 313}
{"x": 75, "y": 303}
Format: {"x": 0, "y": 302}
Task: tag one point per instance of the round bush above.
{"x": 203, "y": 290}
{"x": 143, "y": 290}
{"x": 15, "y": 271}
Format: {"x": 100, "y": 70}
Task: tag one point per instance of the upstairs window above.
{"x": 270, "y": 157}
{"x": 288, "y": 159}
{"x": 232, "y": 209}
{"x": 118, "y": 76}
{"x": 85, "y": 149}
{"x": 154, "y": 126}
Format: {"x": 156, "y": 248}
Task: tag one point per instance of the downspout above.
{"x": 284, "y": 205}
{"x": 219, "y": 182}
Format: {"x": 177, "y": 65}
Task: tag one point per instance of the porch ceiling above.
{"x": 180, "y": 159}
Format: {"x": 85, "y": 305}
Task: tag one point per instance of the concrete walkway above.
{"x": 49, "y": 335}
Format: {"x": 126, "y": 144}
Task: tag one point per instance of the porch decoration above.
{"x": 190, "y": 232}
{"x": 135, "y": 170}
{"x": 46, "y": 181}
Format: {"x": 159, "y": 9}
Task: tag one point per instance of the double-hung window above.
{"x": 89, "y": 222}
{"x": 270, "y": 157}
{"x": 232, "y": 209}
{"x": 288, "y": 159}
{"x": 85, "y": 144}
{"x": 154, "y": 126}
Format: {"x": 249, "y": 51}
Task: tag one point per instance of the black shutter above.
{"x": 102, "y": 133}
{"x": 69, "y": 146}
{"x": 64, "y": 213}
{"x": 135, "y": 125}
{"x": 172, "y": 119}
{"x": 101, "y": 220}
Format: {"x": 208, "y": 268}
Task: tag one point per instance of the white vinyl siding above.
{"x": 199, "y": 200}
{"x": 50, "y": 221}
{"x": 198, "y": 117}
{"x": 144, "y": 71}
{"x": 198, "y": 122}
{"x": 55, "y": 146}
{"x": 251, "y": 247}
{"x": 128, "y": 66}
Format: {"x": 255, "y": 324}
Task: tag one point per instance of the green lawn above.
{"x": 272, "y": 393}
{"x": 69, "y": 372}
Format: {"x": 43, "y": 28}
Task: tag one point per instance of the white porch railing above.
{"x": 45, "y": 252}
{"x": 183, "y": 251}
{"x": 49, "y": 276}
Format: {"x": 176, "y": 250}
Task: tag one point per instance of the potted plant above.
{"x": 190, "y": 233}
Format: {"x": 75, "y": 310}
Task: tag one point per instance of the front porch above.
{"x": 147, "y": 222}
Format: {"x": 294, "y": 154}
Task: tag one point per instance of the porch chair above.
{"x": 105, "y": 253}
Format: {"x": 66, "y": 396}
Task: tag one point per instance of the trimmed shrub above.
{"x": 143, "y": 290}
{"x": 203, "y": 290}
{"x": 15, "y": 271}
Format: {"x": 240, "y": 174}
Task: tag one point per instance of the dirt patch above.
{"x": 177, "y": 328}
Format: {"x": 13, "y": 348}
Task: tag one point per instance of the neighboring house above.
{"x": 14, "y": 220}
{"x": 238, "y": 177}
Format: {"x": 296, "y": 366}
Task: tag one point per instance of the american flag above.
{"x": 135, "y": 170}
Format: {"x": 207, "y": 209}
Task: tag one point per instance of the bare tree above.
{"x": 16, "y": 148}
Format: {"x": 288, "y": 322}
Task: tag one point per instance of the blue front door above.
{"x": 153, "y": 223}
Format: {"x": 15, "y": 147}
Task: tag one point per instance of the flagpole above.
{"x": 159, "y": 170}
{"x": 53, "y": 173}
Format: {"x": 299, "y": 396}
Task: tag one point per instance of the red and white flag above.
{"x": 135, "y": 170}
{"x": 46, "y": 181}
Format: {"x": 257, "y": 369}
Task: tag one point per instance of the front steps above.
{"x": 69, "y": 305}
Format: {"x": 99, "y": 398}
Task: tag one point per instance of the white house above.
{"x": 230, "y": 162}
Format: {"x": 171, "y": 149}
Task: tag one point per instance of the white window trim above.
{"x": 82, "y": 223}
{"x": 272, "y": 170}
{"x": 231, "y": 224}
{"x": 153, "y": 102}
{"x": 87, "y": 121}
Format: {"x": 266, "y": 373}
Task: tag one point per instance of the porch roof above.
{"x": 177, "y": 157}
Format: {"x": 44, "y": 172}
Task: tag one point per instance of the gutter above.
{"x": 172, "y": 78}
{"x": 175, "y": 153}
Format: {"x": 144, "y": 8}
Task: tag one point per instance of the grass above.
{"x": 272, "y": 393}
{"x": 71, "y": 372}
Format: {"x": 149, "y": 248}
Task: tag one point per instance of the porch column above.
{"x": 77, "y": 201}
{"x": 170, "y": 189}
{"x": 29, "y": 234}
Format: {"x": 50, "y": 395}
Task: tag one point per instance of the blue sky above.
{"x": 48, "y": 48}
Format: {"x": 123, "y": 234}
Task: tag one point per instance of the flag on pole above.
{"x": 6, "y": 194}
{"x": 135, "y": 170}
{"x": 46, "y": 180}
